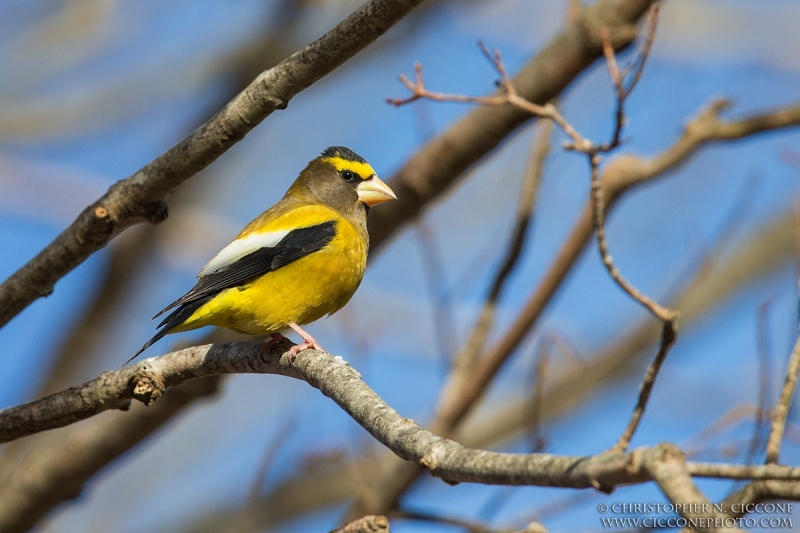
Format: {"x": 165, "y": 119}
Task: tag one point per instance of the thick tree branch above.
{"x": 567, "y": 388}
{"x": 55, "y": 472}
{"x": 667, "y": 465}
{"x": 338, "y": 381}
{"x": 140, "y": 197}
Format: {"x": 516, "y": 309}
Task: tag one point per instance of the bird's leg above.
{"x": 274, "y": 338}
{"x": 308, "y": 342}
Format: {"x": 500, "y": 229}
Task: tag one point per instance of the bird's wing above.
{"x": 242, "y": 247}
{"x": 236, "y": 265}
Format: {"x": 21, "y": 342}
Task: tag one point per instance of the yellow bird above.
{"x": 301, "y": 259}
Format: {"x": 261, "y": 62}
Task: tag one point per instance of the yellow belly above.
{"x": 304, "y": 291}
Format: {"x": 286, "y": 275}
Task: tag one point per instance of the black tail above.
{"x": 174, "y": 319}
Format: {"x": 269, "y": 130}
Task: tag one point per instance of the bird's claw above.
{"x": 309, "y": 343}
{"x": 275, "y": 338}
{"x": 306, "y": 345}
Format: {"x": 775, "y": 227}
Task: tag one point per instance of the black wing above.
{"x": 295, "y": 245}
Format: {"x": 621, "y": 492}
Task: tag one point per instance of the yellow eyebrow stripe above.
{"x": 362, "y": 169}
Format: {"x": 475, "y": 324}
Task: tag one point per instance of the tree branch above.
{"x": 338, "y": 381}
{"x": 140, "y": 197}
{"x": 667, "y": 465}
{"x": 620, "y": 175}
{"x": 782, "y": 408}
{"x": 57, "y": 471}
{"x": 439, "y": 164}
{"x": 367, "y": 524}
{"x": 668, "y": 335}
{"x": 567, "y": 388}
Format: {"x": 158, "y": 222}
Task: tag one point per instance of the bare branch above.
{"x": 508, "y": 95}
{"x": 623, "y": 87}
{"x": 568, "y": 387}
{"x": 367, "y": 524}
{"x": 438, "y": 291}
{"x": 599, "y": 222}
{"x": 782, "y": 408}
{"x": 668, "y": 336}
{"x": 668, "y": 467}
{"x": 444, "y": 458}
{"x": 762, "y": 413}
{"x": 619, "y": 176}
{"x": 57, "y": 472}
{"x": 140, "y": 197}
{"x": 442, "y": 161}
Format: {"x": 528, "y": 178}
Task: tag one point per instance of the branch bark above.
{"x": 619, "y": 176}
{"x": 568, "y": 388}
{"x": 667, "y": 465}
{"x": 368, "y": 524}
{"x": 782, "y": 408}
{"x": 140, "y": 197}
{"x": 51, "y": 474}
{"x": 337, "y": 380}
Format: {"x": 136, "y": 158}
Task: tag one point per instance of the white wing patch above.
{"x": 240, "y": 248}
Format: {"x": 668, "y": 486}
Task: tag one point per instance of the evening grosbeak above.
{"x": 301, "y": 259}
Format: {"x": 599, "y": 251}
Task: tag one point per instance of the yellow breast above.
{"x": 303, "y": 291}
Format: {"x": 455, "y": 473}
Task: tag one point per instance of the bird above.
{"x": 301, "y": 259}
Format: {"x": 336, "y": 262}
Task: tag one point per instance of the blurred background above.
{"x": 91, "y": 90}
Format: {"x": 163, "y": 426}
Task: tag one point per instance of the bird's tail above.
{"x": 157, "y": 337}
{"x": 172, "y": 321}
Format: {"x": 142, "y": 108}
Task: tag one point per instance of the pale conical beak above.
{"x": 373, "y": 191}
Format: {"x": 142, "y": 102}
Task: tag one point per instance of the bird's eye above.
{"x": 348, "y": 175}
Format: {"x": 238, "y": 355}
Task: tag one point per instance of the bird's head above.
{"x": 341, "y": 178}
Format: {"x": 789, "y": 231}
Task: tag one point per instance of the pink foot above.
{"x": 308, "y": 342}
{"x": 274, "y": 339}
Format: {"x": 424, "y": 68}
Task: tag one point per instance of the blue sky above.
{"x": 87, "y": 103}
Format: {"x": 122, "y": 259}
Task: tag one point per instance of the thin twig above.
{"x": 664, "y": 314}
{"x": 622, "y": 81}
{"x": 508, "y": 95}
{"x": 578, "y": 143}
{"x": 536, "y": 442}
{"x": 696, "y": 443}
{"x": 782, "y": 408}
{"x": 650, "y": 37}
{"x": 764, "y": 382}
{"x": 668, "y": 335}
